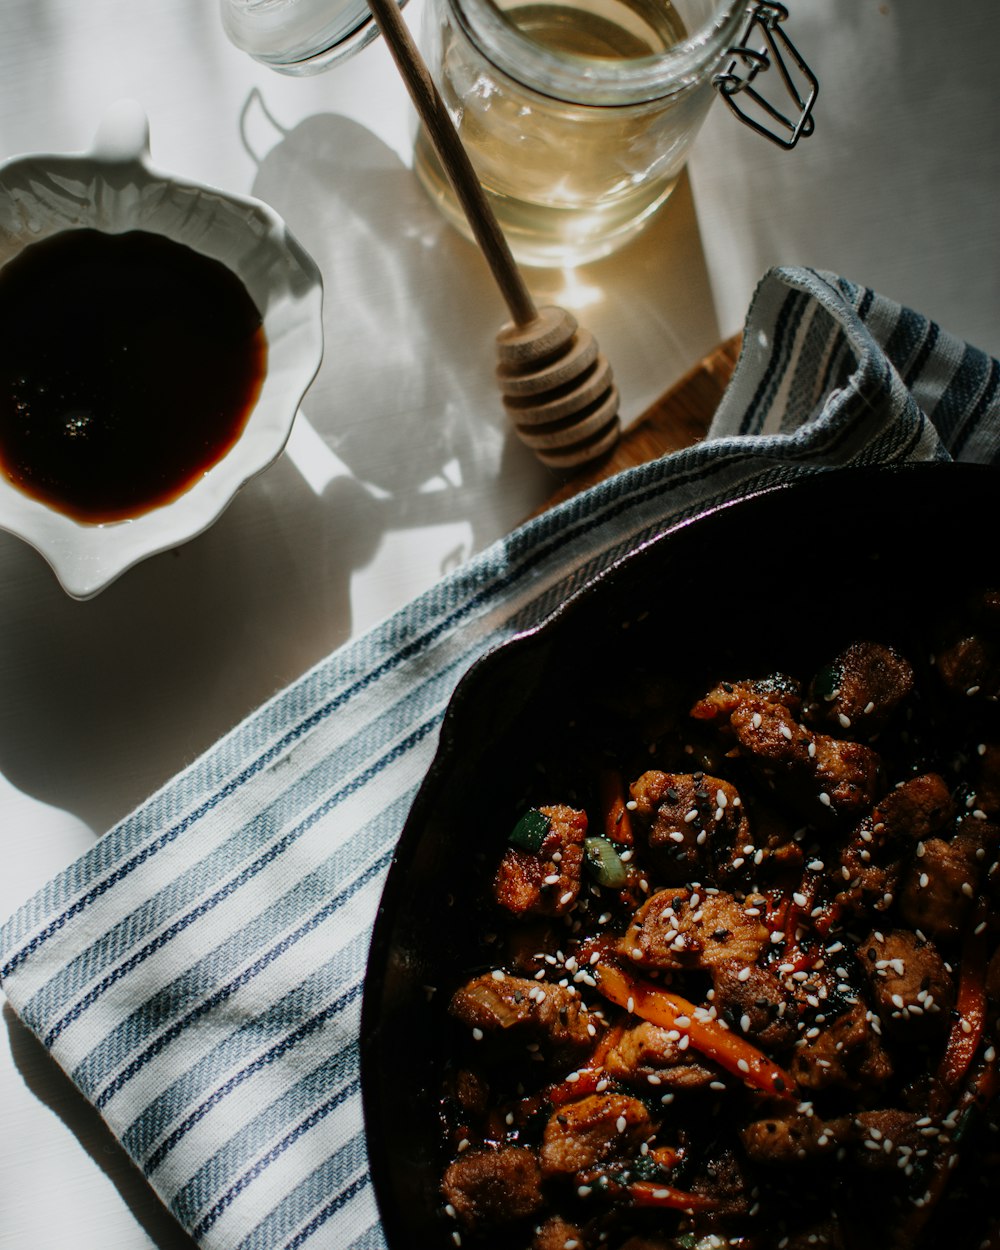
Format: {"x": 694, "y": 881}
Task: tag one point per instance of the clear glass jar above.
{"x": 578, "y": 115}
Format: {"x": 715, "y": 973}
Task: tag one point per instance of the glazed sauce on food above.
{"x": 129, "y": 365}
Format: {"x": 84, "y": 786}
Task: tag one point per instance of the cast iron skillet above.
{"x": 777, "y": 581}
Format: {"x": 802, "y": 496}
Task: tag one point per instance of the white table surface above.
{"x": 401, "y": 464}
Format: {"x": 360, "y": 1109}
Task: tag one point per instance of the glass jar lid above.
{"x": 299, "y": 37}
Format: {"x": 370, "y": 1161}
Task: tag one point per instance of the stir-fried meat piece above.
{"x": 858, "y": 692}
{"x": 752, "y": 999}
{"x": 988, "y": 787}
{"x": 915, "y": 809}
{"x": 649, "y": 1055}
{"x": 592, "y": 1130}
{"x": 545, "y": 882}
{"x": 814, "y": 772}
{"x": 687, "y": 929}
{"x": 690, "y": 820}
{"x": 527, "y": 1011}
{"x": 886, "y": 1137}
{"x": 471, "y": 1091}
{"x": 723, "y": 1181}
{"x": 558, "y": 1234}
{"x": 872, "y": 861}
{"x": 727, "y": 696}
{"x": 943, "y": 878}
{"x": 795, "y": 1137}
{"x": 969, "y": 662}
{"x": 846, "y": 1052}
{"x": 910, "y": 983}
{"x": 494, "y": 1186}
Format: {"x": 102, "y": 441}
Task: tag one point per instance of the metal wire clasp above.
{"x": 797, "y": 84}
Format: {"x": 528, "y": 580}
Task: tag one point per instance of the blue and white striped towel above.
{"x": 198, "y": 973}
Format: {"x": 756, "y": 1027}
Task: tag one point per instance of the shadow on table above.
{"x": 102, "y": 702}
{"x": 50, "y": 1085}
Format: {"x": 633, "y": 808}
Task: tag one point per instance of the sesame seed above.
{"x": 721, "y": 799}
{"x": 786, "y": 732}
{"x": 690, "y": 815}
{"x": 869, "y": 708}
{"x": 621, "y": 1124}
{"x": 742, "y": 1065}
{"x": 845, "y": 721}
{"x": 583, "y": 1191}
{"x": 824, "y": 798}
{"x": 477, "y": 1033}
{"x": 566, "y": 898}
{"x": 718, "y": 1086}
{"x": 676, "y": 836}
{"x": 743, "y": 974}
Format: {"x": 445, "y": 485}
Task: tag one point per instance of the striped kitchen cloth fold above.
{"x": 198, "y": 973}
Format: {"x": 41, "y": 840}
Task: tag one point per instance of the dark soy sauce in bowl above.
{"x": 129, "y": 365}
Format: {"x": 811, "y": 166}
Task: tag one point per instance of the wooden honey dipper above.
{"x": 556, "y": 384}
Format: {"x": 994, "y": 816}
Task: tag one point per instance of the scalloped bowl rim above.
{"x": 120, "y": 190}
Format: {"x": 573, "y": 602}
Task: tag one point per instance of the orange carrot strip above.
{"x": 617, "y": 818}
{"x": 663, "y": 1007}
{"x": 586, "y": 1079}
{"x": 970, "y": 1006}
{"x": 652, "y": 1194}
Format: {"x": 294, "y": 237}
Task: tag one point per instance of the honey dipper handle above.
{"x": 455, "y": 160}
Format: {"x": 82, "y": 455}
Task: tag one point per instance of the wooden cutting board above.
{"x": 677, "y": 419}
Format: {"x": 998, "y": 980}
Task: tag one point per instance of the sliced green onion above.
{"x": 604, "y": 863}
{"x": 529, "y": 832}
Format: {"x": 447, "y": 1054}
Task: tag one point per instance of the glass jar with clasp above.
{"x": 578, "y": 115}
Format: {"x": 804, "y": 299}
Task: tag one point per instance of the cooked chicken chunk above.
{"x": 814, "y": 772}
{"x": 944, "y": 877}
{"x": 649, "y": 1055}
{"x": 794, "y": 1137}
{"x": 969, "y": 660}
{"x": 545, "y": 882}
{"x": 858, "y": 692}
{"x": 558, "y": 1234}
{"x": 493, "y": 1186}
{"x": 909, "y": 981}
{"x": 872, "y": 861}
{"x": 753, "y": 1000}
{"x": 686, "y": 929}
{"x": 846, "y": 1052}
{"x": 596, "y": 1128}
{"x": 527, "y": 1011}
{"x": 689, "y": 820}
{"x": 886, "y": 1136}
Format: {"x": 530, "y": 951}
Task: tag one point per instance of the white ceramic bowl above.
{"x": 114, "y": 188}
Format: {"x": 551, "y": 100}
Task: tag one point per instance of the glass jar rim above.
{"x": 579, "y": 79}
